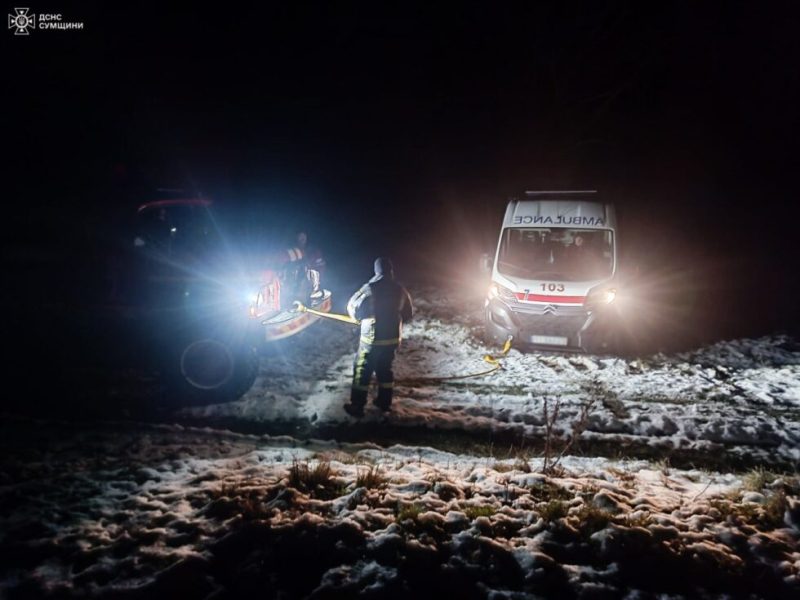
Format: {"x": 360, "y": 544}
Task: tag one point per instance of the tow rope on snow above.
{"x": 493, "y": 360}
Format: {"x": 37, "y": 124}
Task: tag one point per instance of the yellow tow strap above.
{"x": 300, "y": 307}
{"x": 493, "y": 360}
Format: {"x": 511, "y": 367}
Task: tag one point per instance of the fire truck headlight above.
{"x": 251, "y": 297}
{"x": 254, "y": 301}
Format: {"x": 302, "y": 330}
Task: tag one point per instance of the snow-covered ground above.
{"x": 134, "y": 510}
{"x": 120, "y": 510}
{"x": 738, "y": 399}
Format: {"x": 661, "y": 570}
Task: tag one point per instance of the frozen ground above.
{"x": 126, "y": 509}
{"x": 141, "y": 511}
{"x": 735, "y": 401}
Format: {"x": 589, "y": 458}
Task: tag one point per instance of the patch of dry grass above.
{"x": 238, "y": 498}
{"x": 409, "y": 512}
{"x": 547, "y": 490}
{"x": 640, "y": 520}
{"x": 757, "y": 479}
{"x": 774, "y": 509}
{"x": 502, "y": 467}
{"x": 591, "y": 519}
{"x": 317, "y": 481}
{"x": 371, "y": 478}
{"x": 554, "y": 510}
{"x": 473, "y": 512}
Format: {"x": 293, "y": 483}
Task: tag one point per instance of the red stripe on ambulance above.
{"x": 551, "y": 299}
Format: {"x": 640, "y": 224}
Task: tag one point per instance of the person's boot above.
{"x": 384, "y": 400}
{"x": 354, "y": 410}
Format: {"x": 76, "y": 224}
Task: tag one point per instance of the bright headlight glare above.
{"x": 602, "y": 297}
{"x": 255, "y": 301}
{"x": 498, "y": 291}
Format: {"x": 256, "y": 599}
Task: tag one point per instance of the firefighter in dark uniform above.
{"x": 382, "y": 305}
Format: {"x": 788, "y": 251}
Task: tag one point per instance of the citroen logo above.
{"x": 549, "y": 309}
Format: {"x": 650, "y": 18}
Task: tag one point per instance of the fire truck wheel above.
{"x": 210, "y": 371}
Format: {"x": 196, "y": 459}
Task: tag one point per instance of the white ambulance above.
{"x": 553, "y": 274}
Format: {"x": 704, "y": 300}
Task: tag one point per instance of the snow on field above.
{"x": 737, "y": 398}
{"x": 123, "y": 509}
{"x": 144, "y": 511}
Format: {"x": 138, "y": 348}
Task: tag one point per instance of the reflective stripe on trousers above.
{"x": 371, "y": 342}
{"x": 378, "y": 359}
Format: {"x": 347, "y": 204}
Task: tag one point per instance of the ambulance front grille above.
{"x": 548, "y": 324}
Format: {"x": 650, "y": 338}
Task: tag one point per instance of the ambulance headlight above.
{"x": 608, "y": 296}
{"x": 498, "y": 291}
{"x": 601, "y": 297}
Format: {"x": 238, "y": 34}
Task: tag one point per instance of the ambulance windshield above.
{"x": 558, "y": 254}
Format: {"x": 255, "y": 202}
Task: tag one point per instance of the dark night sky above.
{"x": 405, "y": 131}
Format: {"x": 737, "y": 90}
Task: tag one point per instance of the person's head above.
{"x": 384, "y": 267}
{"x": 301, "y": 238}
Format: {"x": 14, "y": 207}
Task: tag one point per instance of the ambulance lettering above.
{"x": 559, "y": 220}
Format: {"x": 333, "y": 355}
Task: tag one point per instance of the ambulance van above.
{"x": 553, "y": 278}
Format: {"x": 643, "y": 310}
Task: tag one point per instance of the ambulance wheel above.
{"x": 486, "y": 335}
{"x": 611, "y": 344}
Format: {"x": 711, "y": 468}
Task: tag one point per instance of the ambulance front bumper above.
{"x": 543, "y": 326}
